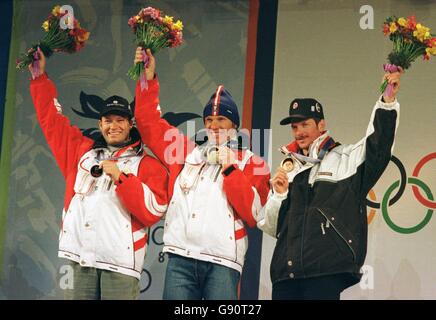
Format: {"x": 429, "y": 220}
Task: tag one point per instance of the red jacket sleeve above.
{"x": 145, "y": 195}
{"x": 165, "y": 141}
{"x": 63, "y": 139}
{"x": 247, "y": 191}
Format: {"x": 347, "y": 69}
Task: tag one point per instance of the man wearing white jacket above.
{"x": 114, "y": 193}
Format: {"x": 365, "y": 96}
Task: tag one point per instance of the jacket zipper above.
{"x": 336, "y": 230}
{"x": 302, "y": 241}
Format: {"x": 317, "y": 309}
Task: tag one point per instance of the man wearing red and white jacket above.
{"x": 114, "y": 193}
{"x": 215, "y": 189}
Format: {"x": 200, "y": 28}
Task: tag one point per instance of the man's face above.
{"x": 219, "y": 129}
{"x": 307, "y": 131}
{"x": 115, "y": 129}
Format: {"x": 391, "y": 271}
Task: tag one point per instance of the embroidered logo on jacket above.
{"x": 325, "y": 174}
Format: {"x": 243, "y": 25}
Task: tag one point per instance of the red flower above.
{"x": 411, "y": 22}
{"x": 132, "y": 21}
{"x": 431, "y": 43}
{"x": 386, "y": 29}
{"x": 150, "y": 12}
{"x": 81, "y": 35}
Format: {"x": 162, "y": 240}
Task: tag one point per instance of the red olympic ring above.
{"x": 418, "y": 196}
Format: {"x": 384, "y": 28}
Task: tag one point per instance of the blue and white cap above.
{"x": 221, "y": 103}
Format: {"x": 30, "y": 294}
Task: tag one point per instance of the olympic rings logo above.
{"x": 415, "y": 182}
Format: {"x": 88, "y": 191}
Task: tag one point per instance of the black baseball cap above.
{"x": 303, "y": 108}
{"x": 116, "y": 105}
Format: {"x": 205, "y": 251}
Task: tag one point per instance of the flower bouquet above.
{"x": 410, "y": 40}
{"x": 57, "y": 39}
{"x": 153, "y": 31}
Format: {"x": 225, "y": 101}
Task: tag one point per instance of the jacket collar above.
{"x": 317, "y": 144}
{"x": 315, "y": 149}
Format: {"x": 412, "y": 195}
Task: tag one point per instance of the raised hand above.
{"x": 36, "y": 72}
{"x": 139, "y": 57}
{"x": 394, "y": 80}
{"x": 111, "y": 169}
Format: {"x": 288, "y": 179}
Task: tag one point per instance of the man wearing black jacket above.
{"x": 317, "y": 208}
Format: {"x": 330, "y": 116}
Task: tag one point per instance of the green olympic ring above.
{"x": 385, "y": 201}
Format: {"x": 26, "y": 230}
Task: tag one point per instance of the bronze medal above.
{"x": 287, "y": 164}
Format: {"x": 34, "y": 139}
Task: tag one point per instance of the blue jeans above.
{"x": 191, "y": 279}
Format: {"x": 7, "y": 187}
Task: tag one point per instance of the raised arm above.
{"x": 380, "y": 136}
{"x": 63, "y": 139}
{"x": 373, "y": 153}
{"x": 164, "y": 140}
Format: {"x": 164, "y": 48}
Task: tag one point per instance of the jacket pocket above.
{"x": 85, "y": 183}
{"x": 342, "y": 234}
{"x": 189, "y": 176}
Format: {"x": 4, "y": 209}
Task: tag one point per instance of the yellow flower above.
{"x": 402, "y": 22}
{"x": 56, "y": 11}
{"x": 431, "y": 51}
{"x": 178, "y": 26}
{"x": 45, "y": 25}
{"x": 422, "y": 32}
{"x": 167, "y": 20}
{"x": 393, "y": 27}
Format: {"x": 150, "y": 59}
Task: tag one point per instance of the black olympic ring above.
{"x": 153, "y": 236}
{"x": 149, "y": 280}
{"x": 403, "y": 182}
